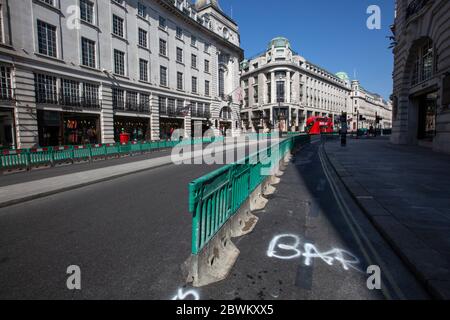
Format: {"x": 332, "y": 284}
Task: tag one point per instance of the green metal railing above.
{"x": 27, "y": 158}
{"x": 216, "y": 197}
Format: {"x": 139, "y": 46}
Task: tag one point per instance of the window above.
{"x": 46, "y": 38}
{"x": 119, "y": 62}
{"x": 143, "y": 70}
{"x": 88, "y": 53}
{"x": 163, "y": 105}
{"x": 45, "y": 87}
{"x": 179, "y": 33}
{"x": 280, "y": 91}
{"x": 207, "y": 66}
{"x": 179, "y": 55}
{"x": 179, "y": 80}
{"x": 221, "y": 83}
{"x": 207, "y": 46}
{"x": 118, "y": 26}
{"x": 163, "y": 76}
{"x": 90, "y": 95}
{"x": 142, "y": 10}
{"x": 194, "y": 85}
{"x": 194, "y": 41}
{"x": 144, "y": 102}
{"x": 132, "y": 101}
{"x": 162, "y": 23}
{"x": 194, "y": 61}
{"x": 256, "y": 93}
{"x": 163, "y": 47}
{"x": 207, "y": 90}
{"x": 143, "y": 38}
{"x": 87, "y": 11}
{"x": 5, "y": 83}
{"x": 118, "y": 99}
{"x": 427, "y": 61}
{"x": 70, "y": 90}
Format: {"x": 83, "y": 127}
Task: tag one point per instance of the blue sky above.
{"x": 329, "y": 33}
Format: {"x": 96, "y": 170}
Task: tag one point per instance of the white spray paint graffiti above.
{"x": 181, "y": 295}
{"x": 291, "y": 244}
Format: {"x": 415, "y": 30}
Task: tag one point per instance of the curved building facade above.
{"x": 422, "y": 74}
{"x": 281, "y": 90}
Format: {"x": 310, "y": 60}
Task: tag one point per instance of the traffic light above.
{"x": 378, "y": 119}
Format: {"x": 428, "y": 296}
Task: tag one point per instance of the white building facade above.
{"x": 369, "y": 109}
{"x": 85, "y": 71}
{"x": 281, "y": 90}
{"x": 421, "y": 98}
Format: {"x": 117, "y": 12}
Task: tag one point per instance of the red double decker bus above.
{"x": 319, "y": 125}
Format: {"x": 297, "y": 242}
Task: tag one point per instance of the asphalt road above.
{"x": 130, "y": 236}
{"x": 312, "y": 207}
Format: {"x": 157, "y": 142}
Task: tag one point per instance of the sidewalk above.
{"x": 405, "y": 192}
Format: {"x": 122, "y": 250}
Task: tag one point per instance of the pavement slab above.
{"x": 412, "y": 184}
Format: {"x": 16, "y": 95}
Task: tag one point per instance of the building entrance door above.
{"x": 427, "y": 117}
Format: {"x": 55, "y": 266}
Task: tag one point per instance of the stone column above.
{"x": 107, "y": 115}
{"x": 154, "y": 118}
{"x": 273, "y": 87}
{"x": 25, "y": 113}
{"x": 288, "y": 87}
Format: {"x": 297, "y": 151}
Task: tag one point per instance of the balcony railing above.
{"x": 47, "y": 97}
{"x": 171, "y": 111}
{"x": 200, "y": 114}
{"x": 75, "y": 101}
{"x": 67, "y": 100}
{"x": 414, "y": 7}
{"x": 131, "y": 107}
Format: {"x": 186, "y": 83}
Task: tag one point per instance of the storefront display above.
{"x": 57, "y": 128}
{"x": 136, "y": 128}
{"x": 168, "y": 126}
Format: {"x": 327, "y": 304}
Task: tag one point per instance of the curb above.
{"x": 433, "y": 274}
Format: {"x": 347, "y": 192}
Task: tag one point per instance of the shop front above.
{"x": 281, "y": 119}
{"x": 168, "y": 125}
{"x": 138, "y": 129}
{"x": 61, "y": 128}
{"x": 225, "y": 127}
{"x": 427, "y": 116}
{"x": 200, "y": 126}
{"x": 7, "y": 129}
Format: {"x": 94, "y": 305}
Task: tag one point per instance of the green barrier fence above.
{"x": 216, "y": 197}
{"x": 26, "y": 158}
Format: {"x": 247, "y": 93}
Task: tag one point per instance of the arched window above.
{"x": 423, "y": 64}
{"x": 226, "y": 113}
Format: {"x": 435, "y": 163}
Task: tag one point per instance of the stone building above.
{"x": 369, "y": 109}
{"x": 281, "y": 89}
{"x": 421, "y": 99}
{"x": 84, "y": 71}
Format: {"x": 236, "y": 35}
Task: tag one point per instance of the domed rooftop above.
{"x": 342, "y": 76}
{"x": 200, "y": 4}
{"x": 279, "y": 42}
